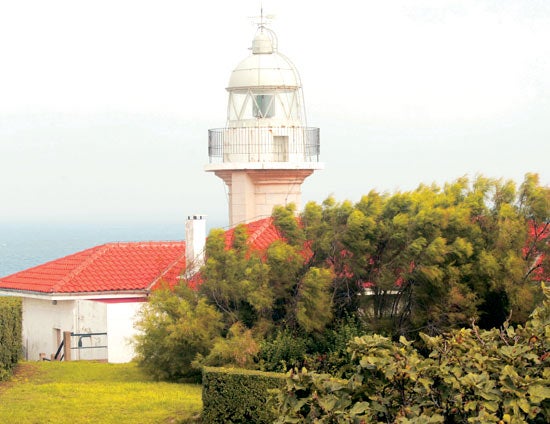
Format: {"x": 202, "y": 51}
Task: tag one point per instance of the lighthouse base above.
{"x": 254, "y": 192}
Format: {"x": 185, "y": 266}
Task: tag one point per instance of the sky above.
{"x": 105, "y": 106}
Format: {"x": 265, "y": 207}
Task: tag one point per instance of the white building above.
{"x": 95, "y": 294}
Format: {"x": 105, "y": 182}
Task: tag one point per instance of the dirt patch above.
{"x": 22, "y": 372}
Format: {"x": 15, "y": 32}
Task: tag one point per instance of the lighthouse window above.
{"x": 264, "y": 106}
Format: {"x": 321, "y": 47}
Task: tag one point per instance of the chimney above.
{"x": 195, "y": 239}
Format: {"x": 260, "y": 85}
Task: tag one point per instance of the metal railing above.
{"x": 264, "y": 144}
{"x": 82, "y": 336}
{"x": 64, "y": 349}
{"x": 59, "y": 355}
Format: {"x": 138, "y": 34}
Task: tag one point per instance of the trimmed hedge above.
{"x": 11, "y": 316}
{"x": 234, "y": 395}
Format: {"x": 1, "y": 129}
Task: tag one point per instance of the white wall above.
{"x": 120, "y": 329}
{"x": 91, "y": 318}
{"x": 44, "y": 322}
{"x": 41, "y": 318}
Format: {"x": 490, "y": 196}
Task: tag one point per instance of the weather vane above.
{"x": 263, "y": 20}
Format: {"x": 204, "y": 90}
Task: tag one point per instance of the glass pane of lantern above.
{"x": 237, "y": 106}
{"x": 264, "y": 106}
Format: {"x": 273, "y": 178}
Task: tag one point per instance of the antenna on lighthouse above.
{"x": 262, "y": 20}
{"x": 262, "y": 23}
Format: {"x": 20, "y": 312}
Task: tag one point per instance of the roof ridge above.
{"x": 101, "y": 249}
{"x": 254, "y": 236}
{"x": 168, "y": 268}
{"x": 146, "y": 242}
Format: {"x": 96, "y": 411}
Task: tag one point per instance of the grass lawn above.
{"x": 93, "y": 392}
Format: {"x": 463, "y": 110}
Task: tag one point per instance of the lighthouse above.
{"x": 266, "y": 150}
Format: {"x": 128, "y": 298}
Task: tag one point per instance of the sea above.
{"x": 25, "y": 245}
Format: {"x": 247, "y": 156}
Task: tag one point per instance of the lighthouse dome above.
{"x": 264, "y": 68}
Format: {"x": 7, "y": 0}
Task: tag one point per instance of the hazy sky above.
{"x": 105, "y": 105}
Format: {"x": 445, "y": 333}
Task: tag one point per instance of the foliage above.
{"x": 94, "y": 392}
{"x": 330, "y": 351}
{"x": 434, "y": 258}
{"x": 469, "y": 375}
{"x": 10, "y": 334}
{"x": 326, "y": 352}
{"x": 313, "y": 303}
{"x": 238, "y": 396}
{"x": 237, "y": 349}
{"x": 235, "y": 280}
{"x": 243, "y": 298}
{"x": 424, "y": 261}
{"x": 266, "y": 290}
{"x": 174, "y": 328}
{"x": 282, "y": 352}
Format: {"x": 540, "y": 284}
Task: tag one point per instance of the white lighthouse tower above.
{"x": 265, "y": 151}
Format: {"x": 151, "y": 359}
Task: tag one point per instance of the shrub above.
{"x": 285, "y": 351}
{"x": 333, "y": 357}
{"x": 470, "y": 375}
{"x": 10, "y": 334}
{"x": 174, "y": 330}
{"x": 324, "y": 353}
{"x": 238, "y": 349}
{"x": 238, "y": 396}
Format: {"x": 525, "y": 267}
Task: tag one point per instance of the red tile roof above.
{"x": 112, "y": 267}
{"x": 261, "y": 234}
{"x": 122, "y": 267}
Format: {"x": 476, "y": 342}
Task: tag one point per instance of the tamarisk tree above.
{"x": 433, "y": 258}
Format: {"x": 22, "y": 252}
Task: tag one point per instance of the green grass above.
{"x": 93, "y": 392}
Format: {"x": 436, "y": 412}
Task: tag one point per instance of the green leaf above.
{"x": 491, "y": 406}
{"x": 538, "y": 393}
{"x": 327, "y": 402}
{"x": 359, "y": 408}
{"x": 524, "y": 405}
{"x": 470, "y": 405}
{"x": 426, "y": 383}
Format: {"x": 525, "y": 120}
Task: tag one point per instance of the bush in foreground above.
{"x": 237, "y": 395}
{"x": 469, "y": 375}
{"x": 10, "y": 334}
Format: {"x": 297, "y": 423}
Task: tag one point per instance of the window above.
{"x": 264, "y": 106}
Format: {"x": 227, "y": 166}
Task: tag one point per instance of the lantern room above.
{"x": 265, "y": 89}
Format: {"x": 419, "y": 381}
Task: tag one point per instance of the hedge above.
{"x": 237, "y": 395}
{"x": 10, "y": 334}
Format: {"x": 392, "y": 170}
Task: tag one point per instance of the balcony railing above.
{"x": 264, "y": 144}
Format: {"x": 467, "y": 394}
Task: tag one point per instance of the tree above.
{"x": 266, "y": 290}
{"x": 175, "y": 326}
{"x": 434, "y": 258}
{"x": 235, "y": 280}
